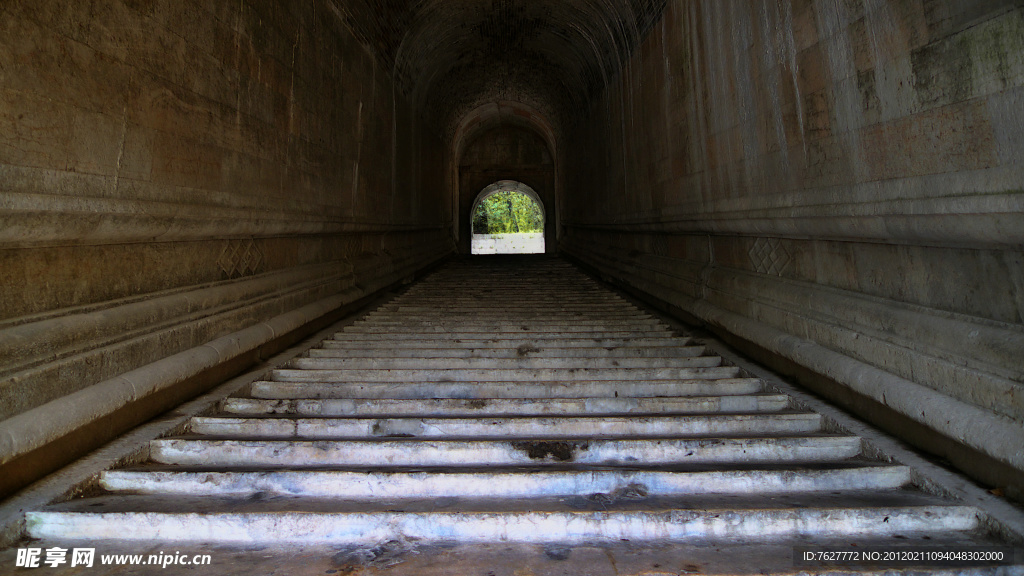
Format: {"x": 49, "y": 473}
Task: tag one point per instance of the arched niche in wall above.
{"x": 505, "y": 152}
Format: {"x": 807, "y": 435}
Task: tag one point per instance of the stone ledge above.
{"x": 36, "y": 218}
{"x": 82, "y": 475}
{"x": 973, "y": 219}
{"x": 919, "y": 340}
{"x": 100, "y": 359}
{"x": 98, "y": 412}
{"x": 61, "y": 333}
{"x": 996, "y": 436}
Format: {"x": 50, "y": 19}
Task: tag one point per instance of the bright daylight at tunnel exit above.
{"x": 512, "y": 287}
{"x": 507, "y": 218}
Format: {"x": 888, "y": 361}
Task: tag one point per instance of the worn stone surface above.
{"x": 844, "y": 173}
{"x": 826, "y": 179}
{"x": 506, "y": 153}
{"x": 404, "y": 558}
{"x": 171, "y": 174}
{"x": 422, "y": 481}
{"x": 551, "y": 56}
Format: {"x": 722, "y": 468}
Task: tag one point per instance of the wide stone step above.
{"x": 513, "y": 329}
{"x": 544, "y": 318}
{"x": 434, "y": 330}
{"x": 497, "y": 278}
{"x": 512, "y": 301}
{"x": 506, "y": 406}
{"x": 500, "y": 278}
{"x": 440, "y": 328}
{"x": 508, "y": 375}
{"x": 509, "y": 403}
{"x": 486, "y": 390}
{"x": 526, "y": 343}
{"x": 504, "y": 282}
{"x": 500, "y": 315}
{"x": 485, "y": 281}
{"x": 507, "y": 427}
{"x": 331, "y": 363}
{"x": 507, "y": 325}
{"x": 304, "y": 520}
{"x": 508, "y": 307}
{"x": 477, "y": 307}
{"x": 651, "y": 354}
{"x": 481, "y": 281}
{"x": 598, "y": 484}
{"x": 388, "y": 337}
{"x": 486, "y": 452}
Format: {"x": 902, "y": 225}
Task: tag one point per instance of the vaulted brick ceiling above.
{"x": 450, "y": 56}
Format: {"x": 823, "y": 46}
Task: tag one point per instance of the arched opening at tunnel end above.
{"x": 507, "y": 217}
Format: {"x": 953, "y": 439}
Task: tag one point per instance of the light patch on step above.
{"x": 398, "y": 428}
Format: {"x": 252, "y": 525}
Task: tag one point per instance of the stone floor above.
{"x": 426, "y": 439}
{"x": 403, "y": 558}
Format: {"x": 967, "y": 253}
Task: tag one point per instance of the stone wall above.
{"x": 835, "y": 185}
{"x": 173, "y": 173}
{"x": 506, "y": 153}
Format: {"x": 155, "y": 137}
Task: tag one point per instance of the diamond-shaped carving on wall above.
{"x": 770, "y": 256}
{"x": 240, "y": 258}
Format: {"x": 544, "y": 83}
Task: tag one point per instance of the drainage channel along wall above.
{"x": 837, "y": 187}
{"x": 186, "y": 185}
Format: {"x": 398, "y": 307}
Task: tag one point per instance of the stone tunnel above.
{"x": 833, "y": 188}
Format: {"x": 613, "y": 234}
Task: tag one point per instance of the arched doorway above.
{"x": 507, "y": 217}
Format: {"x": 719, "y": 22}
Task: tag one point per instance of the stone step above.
{"x": 507, "y": 375}
{"x": 199, "y": 451}
{"x": 547, "y": 319}
{"x": 486, "y": 310}
{"x": 526, "y": 343}
{"x": 583, "y": 332}
{"x": 514, "y": 304}
{"x": 472, "y": 276}
{"x": 506, "y": 406}
{"x": 452, "y": 427}
{"x": 441, "y": 328}
{"x": 500, "y": 276}
{"x": 581, "y": 315}
{"x": 330, "y": 363}
{"x": 566, "y": 315}
{"x": 609, "y": 484}
{"x": 396, "y": 556}
{"x": 510, "y": 329}
{"x": 498, "y": 324}
{"x": 487, "y": 390}
{"x": 497, "y": 280}
{"x": 513, "y": 298}
{"x": 304, "y": 520}
{"x": 651, "y": 354}
{"x": 502, "y": 279}
{"x": 499, "y": 328}
{"x": 537, "y": 308}
{"x": 533, "y": 406}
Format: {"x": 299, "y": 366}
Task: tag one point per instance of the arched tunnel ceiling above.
{"x": 451, "y": 56}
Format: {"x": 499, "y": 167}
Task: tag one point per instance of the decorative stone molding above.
{"x": 123, "y": 356}
{"x": 769, "y": 256}
{"x": 240, "y": 258}
{"x": 911, "y": 358}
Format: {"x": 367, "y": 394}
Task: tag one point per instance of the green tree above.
{"x": 507, "y": 212}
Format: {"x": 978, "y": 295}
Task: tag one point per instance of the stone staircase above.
{"x": 515, "y": 401}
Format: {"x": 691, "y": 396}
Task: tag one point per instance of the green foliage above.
{"x": 507, "y": 212}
